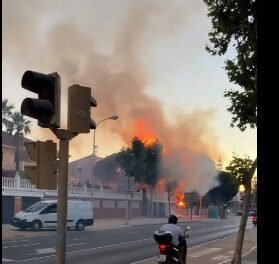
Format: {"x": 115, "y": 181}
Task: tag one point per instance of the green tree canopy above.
{"x": 239, "y": 168}
{"x": 234, "y": 23}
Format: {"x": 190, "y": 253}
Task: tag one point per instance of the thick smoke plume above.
{"x": 46, "y": 41}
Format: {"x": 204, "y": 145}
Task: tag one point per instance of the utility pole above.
{"x": 127, "y": 206}
{"x": 64, "y": 137}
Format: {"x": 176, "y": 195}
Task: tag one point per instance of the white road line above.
{"x": 23, "y": 245}
{"x": 86, "y": 249}
{"x": 7, "y": 260}
{"x": 204, "y": 252}
{"x": 75, "y": 244}
{"x": 221, "y": 257}
{"x": 45, "y": 251}
{"x": 243, "y": 255}
{"x": 77, "y": 238}
{"x": 15, "y": 241}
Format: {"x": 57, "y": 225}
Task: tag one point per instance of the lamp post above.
{"x": 115, "y": 117}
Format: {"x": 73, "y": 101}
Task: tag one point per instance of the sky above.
{"x": 143, "y": 60}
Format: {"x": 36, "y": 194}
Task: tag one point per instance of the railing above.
{"x": 8, "y": 182}
{"x": 24, "y": 184}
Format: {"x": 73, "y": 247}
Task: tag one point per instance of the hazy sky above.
{"x": 160, "y": 43}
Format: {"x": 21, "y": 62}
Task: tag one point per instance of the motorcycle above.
{"x": 169, "y": 254}
{"x": 254, "y": 219}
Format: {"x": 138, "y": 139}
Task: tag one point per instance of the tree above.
{"x": 18, "y": 125}
{"x": 170, "y": 186}
{"x": 126, "y": 160}
{"x": 139, "y": 151}
{"x": 6, "y": 111}
{"x": 234, "y": 23}
{"x": 219, "y": 165}
{"x": 152, "y": 166}
{"x": 242, "y": 170}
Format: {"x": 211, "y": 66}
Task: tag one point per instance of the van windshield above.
{"x": 36, "y": 207}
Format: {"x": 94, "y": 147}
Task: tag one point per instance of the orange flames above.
{"x": 143, "y": 132}
{"x": 180, "y": 200}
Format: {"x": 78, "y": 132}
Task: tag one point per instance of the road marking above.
{"x": 45, "y": 250}
{"x": 77, "y": 238}
{"x": 7, "y": 260}
{"x": 23, "y": 245}
{"x": 221, "y": 257}
{"x": 86, "y": 249}
{"x": 75, "y": 244}
{"x": 243, "y": 255}
{"x": 15, "y": 241}
{"x": 204, "y": 252}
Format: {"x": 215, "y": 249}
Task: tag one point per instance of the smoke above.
{"x": 44, "y": 36}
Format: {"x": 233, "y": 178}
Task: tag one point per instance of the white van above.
{"x": 43, "y": 214}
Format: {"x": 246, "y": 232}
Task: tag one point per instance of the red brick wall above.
{"x": 114, "y": 213}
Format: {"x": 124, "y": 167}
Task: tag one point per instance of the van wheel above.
{"x": 36, "y": 225}
{"x": 80, "y": 226}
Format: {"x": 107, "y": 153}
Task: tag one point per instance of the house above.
{"x": 80, "y": 170}
{"x": 9, "y": 154}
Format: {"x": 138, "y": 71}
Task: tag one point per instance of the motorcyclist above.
{"x": 177, "y": 235}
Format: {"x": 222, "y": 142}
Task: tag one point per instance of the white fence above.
{"x": 17, "y": 184}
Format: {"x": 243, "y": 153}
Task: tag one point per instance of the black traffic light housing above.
{"x": 43, "y": 174}
{"x": 79, "y": 103}
{"x": 46, "y": 109}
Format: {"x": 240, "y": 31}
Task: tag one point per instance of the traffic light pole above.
{"x": 64, "y": 136}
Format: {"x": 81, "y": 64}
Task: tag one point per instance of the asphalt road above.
{"x": 115, "y": 246}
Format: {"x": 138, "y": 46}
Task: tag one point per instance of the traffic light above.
{"x": 43, "y": 175}
{"x": 46, "y": 109}
{"x": 79, "y": 103}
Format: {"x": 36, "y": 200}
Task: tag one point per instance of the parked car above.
{"x": 43, "y": 214}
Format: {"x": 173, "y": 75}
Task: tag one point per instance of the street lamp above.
{"x": 115, "y": 117}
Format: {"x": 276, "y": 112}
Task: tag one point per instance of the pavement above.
{"x": 220, "y": 251}
{"x": 10, "y": 232}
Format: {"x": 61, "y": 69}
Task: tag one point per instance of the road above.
{"x": 115, "y": 246}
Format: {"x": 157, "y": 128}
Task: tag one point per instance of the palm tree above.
{"x": 6, "y": 111}
{"x": 18, "y": 125}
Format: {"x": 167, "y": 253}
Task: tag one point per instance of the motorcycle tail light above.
{"x": 162, "y": 247}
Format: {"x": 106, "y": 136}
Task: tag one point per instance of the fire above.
{"x": 143, "y": 132}
{"x": 161, "y": 185}
{"x": 180, "y": 200}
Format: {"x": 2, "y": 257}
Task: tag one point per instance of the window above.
{"x": 50, "y": 209}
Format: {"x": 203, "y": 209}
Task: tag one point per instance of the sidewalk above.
{"x": 221, "y": 251}
{"x": 9, "y": 232}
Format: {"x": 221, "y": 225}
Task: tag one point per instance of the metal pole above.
{"x": 62, "y": 201}
{"x": 191, "y": 213}
{"x": 127, "y": 208}
{"x": 93, "y": 169}
{"x": 200, "y": 213}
